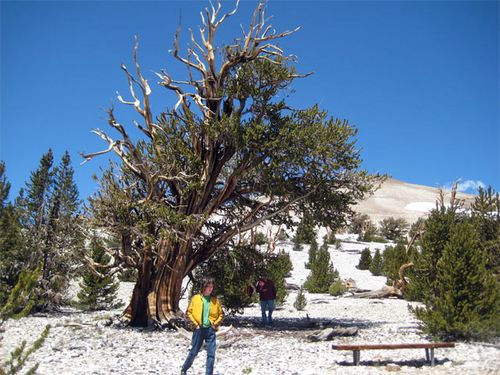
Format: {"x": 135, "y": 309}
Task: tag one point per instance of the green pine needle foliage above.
{"x": 313, "y": 252}
{"x": 393, "y": 258}
{"x": 322, "y": 273}
{"x": 376, "y": 267}
{"x": 394, "y": 229}
{"x": 20, "y": 355}
{"x": 337, "y": 288}
{"x": 306, "y": 232}
{"x": 467, "y": 300}
{"x": 279, "y": 267}
{"x": 365, "y": 260}
{"x": 235, "y": 272}
{"x": 486, "y": 220}
{"x": 297, "y": 246}
{"x": 300, "y": 301}
{"x": 98, "y": 291}
{"x": 22, "y": 297}
{"x": 435, "y": 237}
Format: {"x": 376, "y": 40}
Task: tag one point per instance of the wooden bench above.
{"x": 429, "y": 349}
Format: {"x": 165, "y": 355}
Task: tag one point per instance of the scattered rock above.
{"x": 392, "y": 367}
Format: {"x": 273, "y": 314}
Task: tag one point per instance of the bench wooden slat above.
{"x": 395, "y": 346}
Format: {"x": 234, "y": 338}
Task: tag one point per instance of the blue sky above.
{"x": 420, "y": 79}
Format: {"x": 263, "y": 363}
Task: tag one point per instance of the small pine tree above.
{"x": 365, "y": 260}
{"x": 297, "y": 246}
{"x": 466, "y": 301}
{"x": 338, "y": 244}
{"x": 322, "y": 273}
{"x": 97, "y": 292}
{"x": 281, "y": 236}
{"x": 313, "y": 252}
{"x": 301, "y": 300}
{"x": 235, "y": 271}
{"x": 394, "y": 229}
{"x": 392, "y": 259}
{"x": 376, "y": 267}
{"x": 329, "y": 238}
{"x": 260, "y": 238}
{"x": 337, "y": 288}
{"x": 486, "y": 218}
{"x": 279, "y": 267}
{"x": 358, "y": 223}
{"x": 435, "y": 237}
{"x": 305, "y": 231}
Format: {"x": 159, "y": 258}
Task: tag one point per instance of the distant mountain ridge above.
{"x": 401, "y": 199}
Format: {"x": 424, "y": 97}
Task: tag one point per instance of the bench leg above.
{"x": 427, "y": 358}
{"x": 356, "y": 356}
{"x": 432, "y": 356}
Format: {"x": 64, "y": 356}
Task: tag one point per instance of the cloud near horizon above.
{"x": 467, "y": 186}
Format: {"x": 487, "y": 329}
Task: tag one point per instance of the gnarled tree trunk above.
{"x": 156, "y": 294}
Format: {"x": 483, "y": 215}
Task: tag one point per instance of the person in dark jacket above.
{"x": 267, "y": 295}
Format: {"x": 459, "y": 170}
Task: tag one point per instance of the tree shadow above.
{"x": 297, "y": 324}
{"x": 416, "y": 363}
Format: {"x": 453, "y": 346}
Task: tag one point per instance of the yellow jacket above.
{"x": 195, "y": 311}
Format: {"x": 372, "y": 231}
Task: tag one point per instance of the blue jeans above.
{"x": 267, "y": 305}
{"x": 200, "y": 335}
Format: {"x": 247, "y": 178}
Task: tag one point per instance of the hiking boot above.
{"x": 183, "y": 372}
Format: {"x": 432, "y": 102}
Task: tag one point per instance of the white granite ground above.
{"x": 80, "y": 343}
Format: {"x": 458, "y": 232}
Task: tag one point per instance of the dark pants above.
{"x": 200, "y": 335}
{"x": 267, "y": 305}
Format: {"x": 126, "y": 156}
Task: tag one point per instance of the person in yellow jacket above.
{"x": 205, "y": 312}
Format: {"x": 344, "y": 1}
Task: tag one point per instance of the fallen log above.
{"x": 396, "y": 290}
{"x": 329, "y": 333}
{"x": 385, "y": 292}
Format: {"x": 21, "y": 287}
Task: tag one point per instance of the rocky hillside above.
{"x": 402, "y": 200}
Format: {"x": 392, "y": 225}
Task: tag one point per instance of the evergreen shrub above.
{"x": 322, "y": 273}
{"x": 301, "y": 300}
{"x": 376, "y": 267}
{"x": 365, "y": 260}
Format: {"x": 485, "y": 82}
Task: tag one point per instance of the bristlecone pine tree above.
{"x": 98, "y": 289}
{"x": 394, "y": 229}
{"x": 229, "y": 155}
